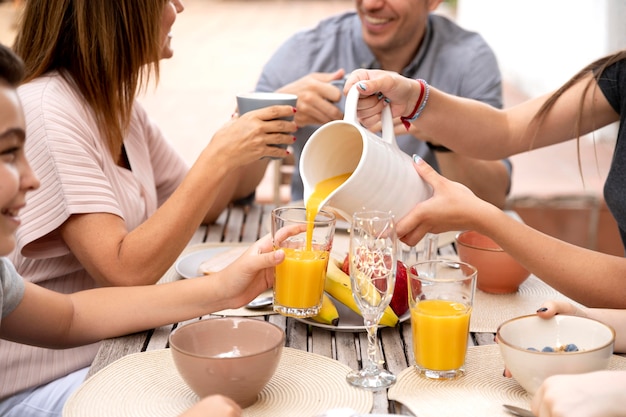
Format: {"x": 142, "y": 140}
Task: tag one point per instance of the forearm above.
{"x": 114, "y": 255}
{"x": 591, "y": 278}
{"x": 134, "y": 309}
{"x": 89, "y": 316}
{"x": 489, "y": 180}
{"x": 164, "y": 235}
{"x": 51, "y": 319}
{"x": 479, "y": 130}
{"x": 465, "y": 126}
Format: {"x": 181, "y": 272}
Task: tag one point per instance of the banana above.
{"x": 328, "y": 313}
{"x": 338, "y": 285}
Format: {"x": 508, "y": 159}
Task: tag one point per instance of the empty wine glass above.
{"x": 373, "y": 255}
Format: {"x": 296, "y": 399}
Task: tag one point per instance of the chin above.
{"x": 167, "y": 54}
{"x": 7, "y": 245}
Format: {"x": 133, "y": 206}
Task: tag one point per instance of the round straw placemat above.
{"x": 148, "y": 384}
{"x": 172, "y": 275}
{"x": 490, "y": 310}
{"x": 480, "y": 392}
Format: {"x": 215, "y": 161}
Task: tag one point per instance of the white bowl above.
{"x": 529, "y": 368}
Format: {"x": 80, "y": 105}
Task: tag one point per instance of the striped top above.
{"x": 78, "y": 175}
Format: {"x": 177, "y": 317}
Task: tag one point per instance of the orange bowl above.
{"x": 232, "y": 356}
{"x": 498, "y": 272}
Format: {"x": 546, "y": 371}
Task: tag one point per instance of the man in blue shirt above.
{"x": 396, "y": 35}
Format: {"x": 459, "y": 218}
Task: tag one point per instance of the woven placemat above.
{"x": 147, "y": 384}
{"x": 490, "y": 310}
{"x": 480, "y": 392}
{"x": 172, "y": 275}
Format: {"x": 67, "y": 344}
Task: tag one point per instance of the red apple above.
{"x": 400, "y": 299}
{"x": 345, "y": 267}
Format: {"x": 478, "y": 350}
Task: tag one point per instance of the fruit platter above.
{"x": 339, "y": 310}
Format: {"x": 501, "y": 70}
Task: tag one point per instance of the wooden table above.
{"x": 247, "y": 224}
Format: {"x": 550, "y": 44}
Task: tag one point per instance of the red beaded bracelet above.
{"x": 419, "y": 105}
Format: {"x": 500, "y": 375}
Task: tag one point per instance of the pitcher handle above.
{"x": 388, "y": 134}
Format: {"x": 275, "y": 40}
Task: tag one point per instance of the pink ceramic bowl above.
{"x": 232, "y": 356}
{"x": 498, "y": 272}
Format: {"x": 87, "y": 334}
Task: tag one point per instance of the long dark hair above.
{"x": 596, "y": 68}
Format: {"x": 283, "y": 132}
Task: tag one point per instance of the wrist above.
{"x": 420, "y": 104}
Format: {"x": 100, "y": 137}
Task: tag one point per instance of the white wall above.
{"x": 541, "y": 43}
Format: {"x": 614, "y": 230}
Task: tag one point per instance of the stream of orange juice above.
{"x": 320, "y": 192}
{"x": 440, "y": 330}
{"x": 300, "y": 277}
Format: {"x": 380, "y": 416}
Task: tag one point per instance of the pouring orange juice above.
{"x": 319, "y": 194}
{"x": 441, "y": 294}
{"x": 305, "y": 234}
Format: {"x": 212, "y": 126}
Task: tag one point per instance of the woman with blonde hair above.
{"x": 116, "y": 204}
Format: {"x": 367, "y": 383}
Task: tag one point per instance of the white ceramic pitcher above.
{"x": 383, "y": 177}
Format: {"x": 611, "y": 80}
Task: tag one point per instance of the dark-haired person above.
{"x": 395, "y": 35}
{"x": 593, "y": 98}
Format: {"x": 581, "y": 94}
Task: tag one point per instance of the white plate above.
{"x": 349, "y": 321}
{"x": 188, "y": 266}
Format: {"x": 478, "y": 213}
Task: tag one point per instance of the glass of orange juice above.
{"x": 299, "y": 279}
{"x": 441, "y": 295}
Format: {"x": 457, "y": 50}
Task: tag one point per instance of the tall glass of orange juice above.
{"x": 299, "y": 279}
{"x": 441, "y": 296}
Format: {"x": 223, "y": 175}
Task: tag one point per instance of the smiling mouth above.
{"x": 375, "y": 20}
{"x": 9, "y": 212}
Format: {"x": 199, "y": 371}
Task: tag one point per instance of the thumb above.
{"x": 264, "y": 251}
{"x": 424, "y": 170}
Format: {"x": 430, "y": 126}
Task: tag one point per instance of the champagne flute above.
{"x": 373, "y": 260}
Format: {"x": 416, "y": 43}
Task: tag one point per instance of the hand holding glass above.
{"x": 299, "y": 279}
{"x": 373, "y": 260}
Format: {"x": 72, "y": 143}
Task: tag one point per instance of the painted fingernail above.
{"x": 380, "y": 95}
{"x": 417, "y": 158}
{"x": 362, "y": 86}
{"x": 294, "y": 138}
{"x": 542, "y": 310}
{"x": 387, "y": 100}
{"x": 294, "y": 109}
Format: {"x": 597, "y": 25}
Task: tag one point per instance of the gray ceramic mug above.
{"x": 257, "y": 100}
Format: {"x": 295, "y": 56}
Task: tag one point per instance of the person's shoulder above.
{"x": 47, "y": 89}
{"x": 52, "y": 81}
{"x": 448, "y": 31}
